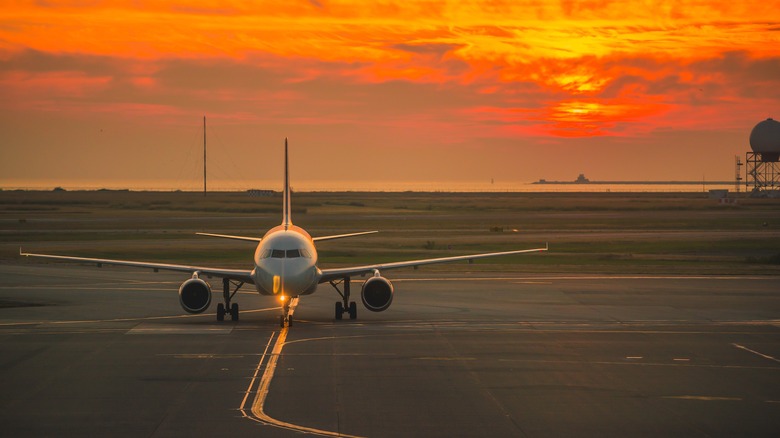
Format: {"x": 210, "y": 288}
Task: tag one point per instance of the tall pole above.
{"x": 204, "y": 155}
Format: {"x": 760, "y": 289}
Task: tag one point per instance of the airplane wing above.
{"x": 233, "y": 274}
{"x": 332, "y": 274}
{"x": 257, "y": 239}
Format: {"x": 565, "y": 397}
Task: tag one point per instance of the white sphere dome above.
{"x": 765, "y": 137}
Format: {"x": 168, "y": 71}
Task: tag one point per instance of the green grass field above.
{"x": 615, "y": 233}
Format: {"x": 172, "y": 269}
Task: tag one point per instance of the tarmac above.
{"x": 87, "y": 351}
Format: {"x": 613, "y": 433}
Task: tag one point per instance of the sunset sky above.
{"x": 112, "y": 93}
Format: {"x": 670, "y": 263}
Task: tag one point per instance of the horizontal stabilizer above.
{"x": 341, "y": 236}
{"x": 227, "y": 236}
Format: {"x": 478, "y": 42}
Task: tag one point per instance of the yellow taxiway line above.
{"x": 258, "y": 405}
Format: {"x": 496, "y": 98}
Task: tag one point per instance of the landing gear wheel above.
{"x": 281, "y": 321}
{"x": 220, "y": 312}
{"x": 339, "y": 310}
{"x": 226, "y": 307}
{"x": 352, "y": 310}
{"x": 289, "y": 320}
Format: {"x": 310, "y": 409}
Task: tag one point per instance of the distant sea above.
{"x": 379, "y": 186}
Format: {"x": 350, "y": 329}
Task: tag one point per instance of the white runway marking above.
{"x": 592, "y": 277}
{"x": 446, "y": 358}
{"x": 765, "y": 356}
{"x": 179, "y": 329}
{"x": 702, "y": 398}
{"x": 640, "y": 364}
{"x": 143, "y": 318}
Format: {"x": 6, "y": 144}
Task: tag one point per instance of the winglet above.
{"x": 286, "y": 208}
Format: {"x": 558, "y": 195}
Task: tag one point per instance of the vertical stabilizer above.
{"x": 286, "y": 209}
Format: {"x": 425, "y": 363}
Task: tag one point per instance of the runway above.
{"x": 88, "y": 351}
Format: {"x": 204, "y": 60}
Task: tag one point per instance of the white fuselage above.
{"x": 286, "y": 263}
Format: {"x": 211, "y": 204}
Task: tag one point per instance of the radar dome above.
{"x": 765, "y": 138}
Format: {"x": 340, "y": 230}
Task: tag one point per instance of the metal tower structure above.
{"x": 737, "y": 173}
{"x": 204, "y": 155}
{"x": 761, "y": 175}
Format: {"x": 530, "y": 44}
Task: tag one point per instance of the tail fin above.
{"x": 286, "y": 208}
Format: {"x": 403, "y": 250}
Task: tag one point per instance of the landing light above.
{"x": 282, "y": 298}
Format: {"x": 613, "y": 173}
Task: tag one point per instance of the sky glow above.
{"x": 389, "y": 91}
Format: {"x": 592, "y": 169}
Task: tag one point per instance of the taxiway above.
{"x": 87, "y": 351}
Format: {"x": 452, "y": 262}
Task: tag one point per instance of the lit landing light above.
{"x": 282, "y": 298}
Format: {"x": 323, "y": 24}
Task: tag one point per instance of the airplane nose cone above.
{"x": 283, "y": 277}
{"x": 298, "y": 282}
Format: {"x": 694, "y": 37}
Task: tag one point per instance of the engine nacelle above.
{"x": 377, "y": 294}
{"x": 195, "y": 295}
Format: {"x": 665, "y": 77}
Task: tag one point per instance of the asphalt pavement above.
{"x": 87, "y": 351}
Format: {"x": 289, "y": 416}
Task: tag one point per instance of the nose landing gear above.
{"x": 286, "y": 318}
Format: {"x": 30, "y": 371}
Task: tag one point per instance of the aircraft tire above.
{"x": 220, "y": 312}
{"x": 339, "y": 310}
{"x": 352, "y": 310}
{"x": 234, "y": 312}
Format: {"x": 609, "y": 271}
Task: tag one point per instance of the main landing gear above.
{"x": 346, "y": 306}
{"x": 228, "y": 308}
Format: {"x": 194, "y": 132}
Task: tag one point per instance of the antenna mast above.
{"x": 204, "y": 155}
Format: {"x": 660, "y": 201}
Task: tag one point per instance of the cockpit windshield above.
{"x": 288, "y": 254}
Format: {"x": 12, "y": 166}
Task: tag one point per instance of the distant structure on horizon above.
{"x": 581, "y": 179}
{"x": 258, "y": 193}
{"x": 762, "y": 173}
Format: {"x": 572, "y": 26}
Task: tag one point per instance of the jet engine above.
{"x": 377, "y": 294}
{"x": 195, "y": 295}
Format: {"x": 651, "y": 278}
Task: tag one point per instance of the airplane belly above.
{"x": 288, "y": 279}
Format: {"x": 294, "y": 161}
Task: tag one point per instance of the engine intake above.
{"x": 195, "y": 295}
{"x": 377, "y": 294}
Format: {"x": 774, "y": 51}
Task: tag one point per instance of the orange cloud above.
{"x": 569, "y": 68}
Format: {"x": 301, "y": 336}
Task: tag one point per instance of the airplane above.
{"x": 285, "y": 266}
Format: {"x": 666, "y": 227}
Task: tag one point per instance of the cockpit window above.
{"x": 281, "y": 253}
